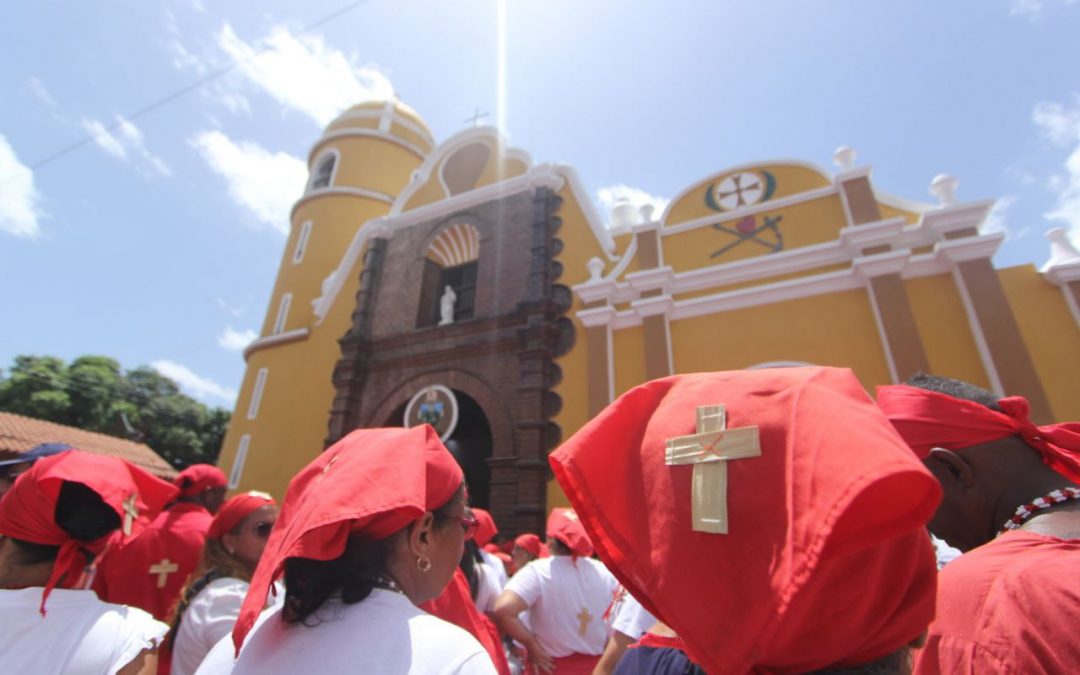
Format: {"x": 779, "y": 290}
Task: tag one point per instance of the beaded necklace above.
{"x": 1026, "y": 511}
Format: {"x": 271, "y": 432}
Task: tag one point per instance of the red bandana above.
{"x": 198, "y": 477}
{"x": 927, "y": 419}
{"x": 565, "y": 526}
{"x": 235, "y": 509}
{"x": 373, "y": 482}
{"x": 532, "y": 544}
{"x": 27, "y": 510}
{"x": 486, "y": 530}
{"x": 826, "y": 560}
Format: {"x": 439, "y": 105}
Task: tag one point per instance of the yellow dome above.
{"x": 392, "y": 117}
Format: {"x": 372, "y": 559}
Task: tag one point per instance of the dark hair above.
{"x": 470, "y": 559}
{"x": 890, "y": 664}
{"x": 355, "y": 573}
{"x": 81, "y": 513}
{"x": 557, "y": 547}
{"x": 955, "y": 388}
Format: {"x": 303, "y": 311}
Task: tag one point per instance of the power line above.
{"x": 201, "y": 82}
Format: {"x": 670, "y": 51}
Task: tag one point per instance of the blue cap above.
{"x": 37, "y": 452}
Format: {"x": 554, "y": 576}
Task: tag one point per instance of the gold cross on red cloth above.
{"x": 708, "y": 451}
{"x": 163, "y": 569}
{"x": 131, "y": 512}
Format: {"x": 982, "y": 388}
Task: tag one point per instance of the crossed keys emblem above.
{"x": 747, "y": 229}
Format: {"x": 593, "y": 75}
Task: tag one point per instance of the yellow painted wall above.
{"x": 944, "y": 329}
{"x": 795, "y": 330}
{"x": 372, "y": 163}
{"x": 888, "y": 211}
{"x": 497, "y": 168}
{"x": 1051, "y": 334}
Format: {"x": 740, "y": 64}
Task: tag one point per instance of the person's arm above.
{"x": 616, "y": 646}
{"x": 145, "y": 663}
{"x": 507, "y": 608}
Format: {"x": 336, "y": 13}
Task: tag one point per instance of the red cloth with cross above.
{"x": 149, "y": 571}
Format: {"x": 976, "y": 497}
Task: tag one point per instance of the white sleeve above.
{"x": 526, "y": 584}
{"x": 631, "y": 619}
{"x": 477, "y": 664}
{"x": 220, "y": 660}
{"x": 221, "y": 612}
{"x": 140, "y": 631}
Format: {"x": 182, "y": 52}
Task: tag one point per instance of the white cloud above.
{"x": 1062, "y": 126}
{"x": 192, "y": 384}
{"x": 263, "y": 182}
{"x": 1031, "y": 9}
{"x": 236, "y": 340}
{"x": 127, "y": 142}
{"x": 608, "y": 196}
{"x": 303, "y": 73}
{"x": 37, "y": 88}
{"x": 19, "y": 200}
{"x": 234, "y": 310}
{"x": 996, "y": 220}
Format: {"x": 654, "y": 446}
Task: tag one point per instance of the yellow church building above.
{"x": 462, "y": 285}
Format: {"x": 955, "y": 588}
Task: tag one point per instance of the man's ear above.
{"x": 950, "y": 468}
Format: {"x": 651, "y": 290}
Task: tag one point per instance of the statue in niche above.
{"x": 446, "y": 306}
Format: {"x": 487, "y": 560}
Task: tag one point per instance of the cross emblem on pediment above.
{"x": 708, "y": 451}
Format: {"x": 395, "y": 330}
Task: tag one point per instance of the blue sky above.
{"x": 158, "y": 240}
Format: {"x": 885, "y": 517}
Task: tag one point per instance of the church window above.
{"x": 301, "y": 242}
{"x": 462, "y": 170}
{"x": 324, "y": 170}
{"x": 451, "y": 260}
{"x": 282, "y": 313}
{"x": 238, "y": 462}
{"x": 257, "y": 393}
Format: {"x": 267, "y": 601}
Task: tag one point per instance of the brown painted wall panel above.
{"x": 656, "y": 347}
{"x": 861, "y": 201}
{"x": 596, "y": 336}
{"x": 898, "y": 323}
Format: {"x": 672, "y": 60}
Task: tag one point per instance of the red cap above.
{"x": 928, "y": 419}
{"x": 198, "y": 477}
{"x": 486, "y": 528}
{"x": 564, "y": 525}
{"x": 373, "y": 482}
{"x": 235, "y": 509}
{"x": 531, "y": 543}
{"x": 826, "y": 560}
{"x": 28, "y": 509}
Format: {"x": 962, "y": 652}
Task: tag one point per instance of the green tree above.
{"x": 94, "y": 393}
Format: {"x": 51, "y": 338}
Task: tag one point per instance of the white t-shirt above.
{"x": 564, "y": 596}
{"x": 496, "y": 565}
{"x": 79, "y": 634}
{"x": 210, "y": 617}
{"x": 380, "y": 634}
{"x": 488, "y": 587}
{"x": 629, "y": 617}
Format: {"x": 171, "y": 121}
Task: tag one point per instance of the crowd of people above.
{"x": 767, "y": 521}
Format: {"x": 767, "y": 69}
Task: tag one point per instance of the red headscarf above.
{"x": 928, "y": 419}
{"x": 826, "y": 561}
{"x": 532, "y": 544}
{"x": 28, "y": 509}
{"x": 198, "y": 477}
{"x": 486, "y": 528}
{"x": 564, "y": 525}
{"x": 235, "y": 509}
{"x": 373, "y": 482}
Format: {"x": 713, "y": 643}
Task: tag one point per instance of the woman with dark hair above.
{"x": 373, "y": 527}
{"x": 210, "y": 602}
{"x": 56, "y": 518}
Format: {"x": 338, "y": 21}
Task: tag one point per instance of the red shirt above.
{"x": 151, "y": 569}
{"x": 1009, "y": 606}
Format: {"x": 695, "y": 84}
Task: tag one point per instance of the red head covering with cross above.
{"x": 372, "y": 483}
{"x": 565, "y": 526}
{"x": 807, "y": 550}
{"x": 235, "y": 509}
{"x": 198, "y": 477}
{"x": 27, "y": 510}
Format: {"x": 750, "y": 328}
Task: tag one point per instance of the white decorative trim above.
{"x": 851, "y": 174}
{"x": 971, "y": 248}
{"x": 282, "y": 314}
{"x": 1071, "y": 303}
{"x": 1062, "y": 273}
{"x": 856, "y": 238}
{"x": 670, "y": 349}
{"x": 455, "y": 245}
{"x": 654, "y": 306}
{"x": 271, "y": 340}
{"x": 978, "y": 335}
{"x": 657, "y": 278}
{"x": 771, "y": 205}
{"x": 346, "y": 191}
{"x": 301, "y": 242}
{"x": 367, "y": 133}
{"x": 744, "y": 167}
{"x": 315, "y": 170}
{"x": 333, "y": 283}
{"x": 882, "y": 335}
{"x": 257, "y": 393}
{"x": 610, "y": 363}
{"x": 956, "y": 217}
{"x": 596, "y": 316}
{"x": 237, "y": 469}
{"x": 400, "y": 120}
{"x": 891, "y": 262}
{"x": 779, "y": 364}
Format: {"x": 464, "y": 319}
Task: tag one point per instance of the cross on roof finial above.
{"x": 476, "y": 117}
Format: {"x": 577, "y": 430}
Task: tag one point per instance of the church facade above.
{"x": 461, "y": 285}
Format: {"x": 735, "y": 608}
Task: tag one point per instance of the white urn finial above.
{"x": 944, "y": 188}
{"x": 647, "y": 211}
{"x": 596, "y": 268}
{"x": 1062, "y": 250}
{"x": 844, "y": 157}
{"x": 624, "y": 214}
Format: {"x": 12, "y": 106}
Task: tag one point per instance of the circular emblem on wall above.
{"x": 737, "y": 190}
{"x": 435, "y": 405}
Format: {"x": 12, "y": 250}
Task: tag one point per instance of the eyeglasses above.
{"x": 262, "y": 530}
{"x": 469, "y": 525}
